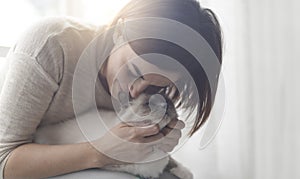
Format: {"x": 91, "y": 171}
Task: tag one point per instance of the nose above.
{"x": 137, "y": 87}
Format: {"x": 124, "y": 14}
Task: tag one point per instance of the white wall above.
{"x": 259, "y": 137}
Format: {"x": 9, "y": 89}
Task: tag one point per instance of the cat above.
{"x": 155, "y": 108}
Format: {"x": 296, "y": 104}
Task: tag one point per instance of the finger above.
{"x": 146, "y": 131}
{"x": 165, "y": 148}
{"x": 176, "y": 124}
{"x": 171, "y": 133}
{"x": 143, "y": 123}
{"x": 166, "y": 141}
{"x": 153, "y": 138}
{"x": 138, "y": 87}
{"x": 166, "y": 130}
{"x": 161, "y": 138}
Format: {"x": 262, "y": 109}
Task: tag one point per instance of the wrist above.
{"x": 96, "y": 159}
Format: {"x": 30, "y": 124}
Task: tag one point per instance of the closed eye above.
{"x": 135, "y": 71}
{"x": 151, "y": 89}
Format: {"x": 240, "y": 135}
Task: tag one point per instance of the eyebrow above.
{"x": 141, "y": 76}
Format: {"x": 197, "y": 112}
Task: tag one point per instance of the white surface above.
{"x": 95, "y": 174}
{"x": 99, "y": 174}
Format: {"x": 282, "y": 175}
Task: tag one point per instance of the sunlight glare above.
{"x": 102, "y": 12}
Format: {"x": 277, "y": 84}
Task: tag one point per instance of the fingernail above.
{"x": 181, "y": 124}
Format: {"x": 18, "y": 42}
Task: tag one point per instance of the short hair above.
{"x": 190, "y": 13}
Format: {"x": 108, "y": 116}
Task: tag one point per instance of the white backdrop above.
{"x": 260, "y": 135}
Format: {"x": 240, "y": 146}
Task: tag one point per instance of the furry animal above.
{"x": 147, "y": 107}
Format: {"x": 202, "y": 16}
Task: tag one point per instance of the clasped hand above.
{"x": 125, "y": 143}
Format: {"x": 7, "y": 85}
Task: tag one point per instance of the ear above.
{"x": 118, "y": 33}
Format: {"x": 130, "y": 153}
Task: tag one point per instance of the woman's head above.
{"x": 126, "y": 71}
{"x": 189, "y": 13}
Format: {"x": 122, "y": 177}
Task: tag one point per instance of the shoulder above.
{"x": 51, "y": 40}
{"x": 34, "y": 39}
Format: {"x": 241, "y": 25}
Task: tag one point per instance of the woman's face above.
{"x": 126, "y": 71}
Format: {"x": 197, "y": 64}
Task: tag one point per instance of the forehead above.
{"x": 152, "y": 72}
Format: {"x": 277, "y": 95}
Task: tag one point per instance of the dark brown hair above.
{"x": 202, "y": 20}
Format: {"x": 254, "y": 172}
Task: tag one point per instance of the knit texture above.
{"x": 38, "y": 84}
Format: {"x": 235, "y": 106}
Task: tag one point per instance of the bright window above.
{"x": 17, "y": 15}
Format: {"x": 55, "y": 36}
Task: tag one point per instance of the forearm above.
{"x": 41, "y": 161}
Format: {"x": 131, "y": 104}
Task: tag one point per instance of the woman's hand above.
{"x": 125, "y": 144}
{"x": 170, "y": 135}
{"x": 130, "y": 144}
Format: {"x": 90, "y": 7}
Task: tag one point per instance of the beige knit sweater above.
{"x": 38, "y": 85}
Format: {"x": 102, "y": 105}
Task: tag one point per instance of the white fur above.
{"x": 146, "y": 170}
{"x": 181, "y": 172}
{"x": 70, "y": 132}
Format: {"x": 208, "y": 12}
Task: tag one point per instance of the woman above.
{"x": 38, "y": 87}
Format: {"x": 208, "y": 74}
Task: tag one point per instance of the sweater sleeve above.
{"x": 26, "y": 94}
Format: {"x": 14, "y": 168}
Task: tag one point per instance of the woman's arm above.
{"x": 26, "y": 95}
{"x": 41, "y": 161}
